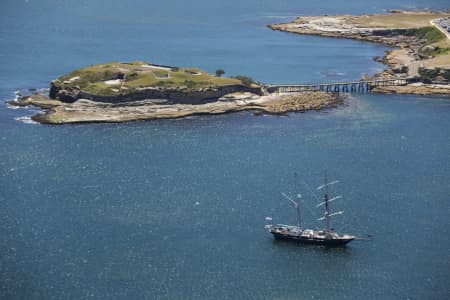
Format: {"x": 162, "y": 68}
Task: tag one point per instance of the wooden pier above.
{"x": 361, "y": 86}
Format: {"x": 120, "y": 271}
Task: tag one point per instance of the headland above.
{"x": 422, "y": 48}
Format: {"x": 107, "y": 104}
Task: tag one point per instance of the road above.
{"x": 435, "y": 24}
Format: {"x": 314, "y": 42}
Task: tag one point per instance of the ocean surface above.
{"x": 175, "y": 209}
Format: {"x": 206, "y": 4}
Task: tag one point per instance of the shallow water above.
{"x": 175, "y": 208}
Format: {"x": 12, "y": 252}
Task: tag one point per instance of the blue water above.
{"x": 175, "y": 209}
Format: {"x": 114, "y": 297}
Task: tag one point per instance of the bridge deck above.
{"x": 361, "y": 85}
{"x": 339, "y": 83}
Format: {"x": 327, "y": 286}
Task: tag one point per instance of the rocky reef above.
{"x": 84, "y": 111}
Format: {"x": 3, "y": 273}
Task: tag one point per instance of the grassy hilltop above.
{"x": 117, "y": 78}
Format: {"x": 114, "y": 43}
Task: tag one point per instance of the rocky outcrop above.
{"x": 37, "y": 100}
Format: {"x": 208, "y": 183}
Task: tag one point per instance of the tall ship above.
{"x": 297, "y": 233}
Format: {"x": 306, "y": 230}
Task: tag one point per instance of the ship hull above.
{"x": 313, "y": 241}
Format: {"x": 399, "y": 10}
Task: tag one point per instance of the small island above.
{"x": 421, "y": 39}
{"x": 120, "y": 92}
{"x": 127, "y": 91}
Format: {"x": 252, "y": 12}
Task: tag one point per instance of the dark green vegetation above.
{"x": 430, "y": 35}
{"x": 246, "y": 80}
{"x": 116, "y": 78}
{"x": 434, "y": 74}
{"x": 219, "y": 72}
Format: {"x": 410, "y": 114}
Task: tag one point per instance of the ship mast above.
{"x": 327, "y": 201}
{"x": 297, "y": 206}
{"x": 327, "y": 208}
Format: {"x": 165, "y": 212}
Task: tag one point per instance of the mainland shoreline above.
{"x": 422, "y": 50}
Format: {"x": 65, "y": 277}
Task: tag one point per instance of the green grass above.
{"x": 430, "y": 33}
{"x": 93, "y": 77}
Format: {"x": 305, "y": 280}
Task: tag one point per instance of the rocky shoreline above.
{"x": 83, "y": 111}
{"x": 399, "y": 29}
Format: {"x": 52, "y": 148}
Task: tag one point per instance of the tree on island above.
{"x": 219, "y": 72}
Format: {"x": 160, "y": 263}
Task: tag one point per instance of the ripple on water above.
{"x": 26, "y": 120}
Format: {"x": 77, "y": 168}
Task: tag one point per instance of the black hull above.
{"x": 313, "y": 241}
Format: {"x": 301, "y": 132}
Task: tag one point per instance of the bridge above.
{"x": 360, "y": 86}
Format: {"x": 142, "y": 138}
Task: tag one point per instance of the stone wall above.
{"x": 178, "y": 95}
